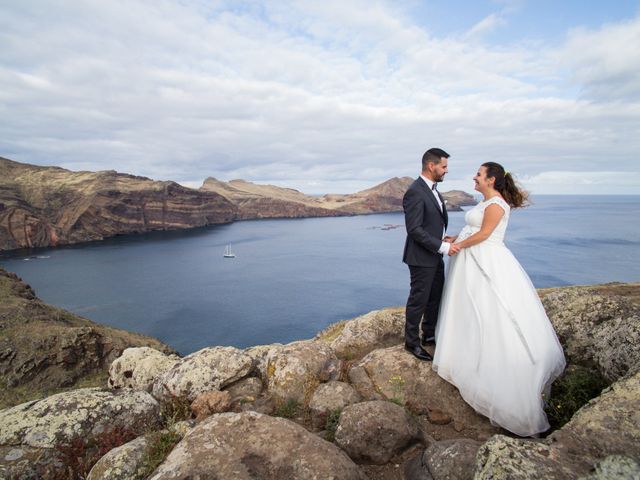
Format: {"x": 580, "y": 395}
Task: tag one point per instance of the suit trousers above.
{"x": 423, "y": 304}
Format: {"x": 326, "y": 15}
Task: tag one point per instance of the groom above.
{"x": 426, "y": 220}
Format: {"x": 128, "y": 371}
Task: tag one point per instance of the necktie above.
{"x": 433, "y": 187}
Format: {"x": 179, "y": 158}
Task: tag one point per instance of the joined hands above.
{"x": 453, "y": 248}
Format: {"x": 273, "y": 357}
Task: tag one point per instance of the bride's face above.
{"x": 481, "y": 181}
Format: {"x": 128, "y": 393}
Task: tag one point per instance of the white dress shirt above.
{"x": 444, "y": 247}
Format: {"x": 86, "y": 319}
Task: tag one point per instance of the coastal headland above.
{"x": 50, "y": 206}
{"x": 349, "y": 403}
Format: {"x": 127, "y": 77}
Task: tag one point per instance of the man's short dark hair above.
{"x": 433, "y": 155}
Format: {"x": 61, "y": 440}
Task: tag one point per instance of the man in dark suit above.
{"x": 426, "y": 220}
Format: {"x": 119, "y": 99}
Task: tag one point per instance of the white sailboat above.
{"x": 228, "y": 253}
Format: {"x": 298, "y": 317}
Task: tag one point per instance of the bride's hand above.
{"x": 453, "y": 249}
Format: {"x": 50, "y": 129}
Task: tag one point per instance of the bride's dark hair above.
{"x": 513, "y": 194}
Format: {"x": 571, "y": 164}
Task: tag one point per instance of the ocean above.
{"x": 292, "y": 278}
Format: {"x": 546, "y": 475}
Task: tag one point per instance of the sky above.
{"x": 330, "y": 96}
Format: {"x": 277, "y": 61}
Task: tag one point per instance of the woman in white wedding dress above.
{"x": 494, "y": 341}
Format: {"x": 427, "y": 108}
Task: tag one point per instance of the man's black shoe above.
{"x": 428, "y": 341}
{"x": 418, "y": 352}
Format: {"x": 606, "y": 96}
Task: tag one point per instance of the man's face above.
{"x": 439, "y": 170}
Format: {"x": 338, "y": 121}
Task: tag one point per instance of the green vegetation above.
{"x": 159, "y": 445}
{"x": 331, "y": 424}
{"x": 332, "y": 332}
{"x": 397, "y": 384}
{"x": 288, "y": 409}
{"x": 571, "y": 392}
{"x": 174, "y": 410}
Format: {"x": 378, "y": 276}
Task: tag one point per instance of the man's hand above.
{"x": 453, "y": 249}
{"x": 449, "y": 238}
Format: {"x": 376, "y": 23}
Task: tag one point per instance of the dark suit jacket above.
{"x": 425, "y": 224}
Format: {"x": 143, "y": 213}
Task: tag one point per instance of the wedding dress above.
{"x": 494, "y": 341}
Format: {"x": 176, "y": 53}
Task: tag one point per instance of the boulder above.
{"x": 375, "y": 431}
{"x": 139, "y": 367}
{"x": 208, "y": 369}
{"x": 296, "y": 369}
{"x": 394, "y": 374}
{"x": 125, "y": 462}
{"x": 84, "y": 413}
{"x": 245, "y": 390}
{"x": 250, "y": 445}
{"x": 208, "y": 403}
{"x": 506, "y": 458}
{"x": 448, "y": 459}
{"x": 616, "y": 467}
{"x": 595, "y": 329}
{"x": 259, "y": 354}
{"x": 608, "y": 425}
{"x": 28, "y": 463}
{"x": 330, "y": 397}
{"x": 354, "y": 338}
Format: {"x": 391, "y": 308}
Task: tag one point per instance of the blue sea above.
{"x": 292, "y": 278}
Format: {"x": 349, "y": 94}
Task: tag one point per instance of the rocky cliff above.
{"x": 49, "y": 206}
{"x": 44, "y": 349}
{"x": 347, "y": 404}
{"x": 269, "y": 201}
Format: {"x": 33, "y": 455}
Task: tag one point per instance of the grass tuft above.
{"x": 288, "y": 409}
{"x": 572, "y": 391}
{"x": 331, "y": 424}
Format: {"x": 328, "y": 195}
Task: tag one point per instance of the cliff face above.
{"x": 268, "y": 201}
{"x": 43, "y": 348}
{"x": 48, "y": 206}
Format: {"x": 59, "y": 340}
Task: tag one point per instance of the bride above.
{"x": 494, "y": 341}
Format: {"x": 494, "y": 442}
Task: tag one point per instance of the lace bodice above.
{"x": 473, "y": 219}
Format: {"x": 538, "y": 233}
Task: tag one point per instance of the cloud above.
{"x": 599, "y": 182}
{"x": 487, "y": 24}
{"x": 606, "y": 62}
{"x": 320, "y": 96}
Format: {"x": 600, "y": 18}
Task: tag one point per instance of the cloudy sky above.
{"x": 325, "y": 96}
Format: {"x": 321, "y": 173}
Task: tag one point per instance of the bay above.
{"x": 292, "y": 278}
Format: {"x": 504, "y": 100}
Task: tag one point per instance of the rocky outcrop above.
{"x": 250, "y": 445}
{"x": 389, "y": 409}
{"x": 122, "y": 463}
{"x": 595, "y": 329}
{"x": 607, "y": 425}
{"x": 48, "y": 206}
{"x": 448, "y": 459}
{"x": 27, "y": 463}
{"x": 85, "y": 413}
{"x": 616, "y": 467}
{"x": 296, "y": 369}
{"x": 139, "y": 367}
{"x": 208, "y": 403}
{"x": 208, "y": 369}
{"x": 357, "y": 337}
{"x": 394, "y": 374}
{"x": 245, "y": 390}
{"x": 43, "y": 348}
{"x": 375, "y": 431}
{"x": 329, "y": 398}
